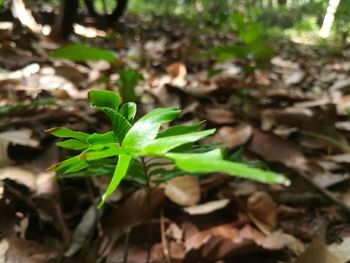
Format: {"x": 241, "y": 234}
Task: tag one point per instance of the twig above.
{"x": 326, "y": 194}
{"x": 126, "y": 245}
{"x": 163, "y": 237}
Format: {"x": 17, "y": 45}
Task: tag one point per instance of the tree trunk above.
{"x": 64, "y": 22}
{"x": 329, "y": 18}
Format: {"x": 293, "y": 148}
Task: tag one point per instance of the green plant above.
{"x": 127, "y": 82}
{"x": 254, "y": 42}
{"x": 80, "y": 52}
{"x": 129, "y": 143}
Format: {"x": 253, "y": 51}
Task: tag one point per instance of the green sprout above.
{"x": 130, "y": 142}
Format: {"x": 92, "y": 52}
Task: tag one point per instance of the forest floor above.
{"x": 291, "y": 117}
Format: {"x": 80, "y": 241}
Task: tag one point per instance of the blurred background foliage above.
{"x": 272, "y": 17}
{"x": 276, "y": 17}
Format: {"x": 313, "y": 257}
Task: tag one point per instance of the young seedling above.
{"x": 131, "y": 141}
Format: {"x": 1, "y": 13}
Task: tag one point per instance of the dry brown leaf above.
{"x": 154, "y": 49}
{"x": 219, "y": 116}
{"x": 83, "y": 230}
{"x": 8, "y": 220}
{"x": 207, "y": 208}
{"x": 340, "y": 158}
{"x": 343, "y": 125}
{"x": 132, "y": 212}
{"x": 21, "y": 137}
{"x": 292, "y": 117}
{"x": 263, "y": 208}
{"x": 176, "y": 251}
{"x": 231, "y": 137}
{"x": 227, "y": 240}
{"x": 274, "y": 149}
{"x": 174, "y": 232}
{"x": 183, "y": 190}
{"x": 20, "y": 175}
{"x": 341, "y": 251}
{"x": 317, "y": 252}
{"x": 177, "y": 70}
{"x": 20, "y": 250}
{"x": 295, "y": 78}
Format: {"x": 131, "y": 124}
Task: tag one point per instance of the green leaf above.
{"x": 119, "y": 172}
{"x": 103, "y": 98}
{"x": 128, "y": 111}
{"x": 212, "y": 161}
{"x": 70, "y": 165}
{"x": 15, "y": 107}
{"x": 73, "y": 144}
{"x": 79, "y": 52}
{"x": 68, "y": 133}
{"x": 107, "y": 102}
{"x": 226, "y": 52}
{"x": 112, "y": 150}
{"x": 146, "y": 128}
{"x": 98, "y": 141}
{"x": 128, "y": 79}
{"x": 178, "y": 130}
{"x": 163, "y": 145}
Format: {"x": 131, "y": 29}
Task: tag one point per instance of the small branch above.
{"x": 126, "y": 245}
{"x": 163, "y": 237}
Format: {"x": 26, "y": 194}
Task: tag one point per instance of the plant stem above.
{"x": 148, "y": 190}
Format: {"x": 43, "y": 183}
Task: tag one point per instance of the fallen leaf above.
{"x": 340, "y": 158}
{"x": 231, "y": 137}
{"x": 7, "y": 220}
{"x": 317, "y": 252}
{"x": 292, "y": 117}
{"x": 21, "y": 137}
{"x": 295, "y": 78}
{"x": 207, "y": 208}
{"x": 155, "y": 48}
{"x": 183, "y": 190}
{"x": 20, "y": 250}
{"x": 341, "y": 250}
{"x": 227, "y": 240}
{"x": 4, "y": 245}
{"x": 20, "y": 175}
{"x": 263, "y": 208}
{"x": 178, "y": 73}
{"x": 274, "y": 149}
{"x": 132, "y": 212}
{"x": 83, "y": 231}
{"x": 219, "y": 116}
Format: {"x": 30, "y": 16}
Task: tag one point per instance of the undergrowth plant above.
{"x": 133, "y": 144}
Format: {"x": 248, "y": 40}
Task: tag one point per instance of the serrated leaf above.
{"x": 70, "y": 165}
{"x": 119, "y": 173}
{"x": 163, "y": 145}
{"x": 103, "y": 98}
{"x": 107, "y": 102}
{"x": 179, "y": 129}
{"x": 128, "y": 110}
{"x": 80, "y": 52}
{"x": 73, "y": 144}
{"x": 68, "y": 133}
{"x": 146, "y": 128}
{"x": 212, "y": 161}
{"x": 98, "y": 141}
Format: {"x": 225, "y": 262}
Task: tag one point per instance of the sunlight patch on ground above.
{"x": 89, "y": 32}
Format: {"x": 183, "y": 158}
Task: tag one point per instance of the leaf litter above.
{"x": 268, "y": 116}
